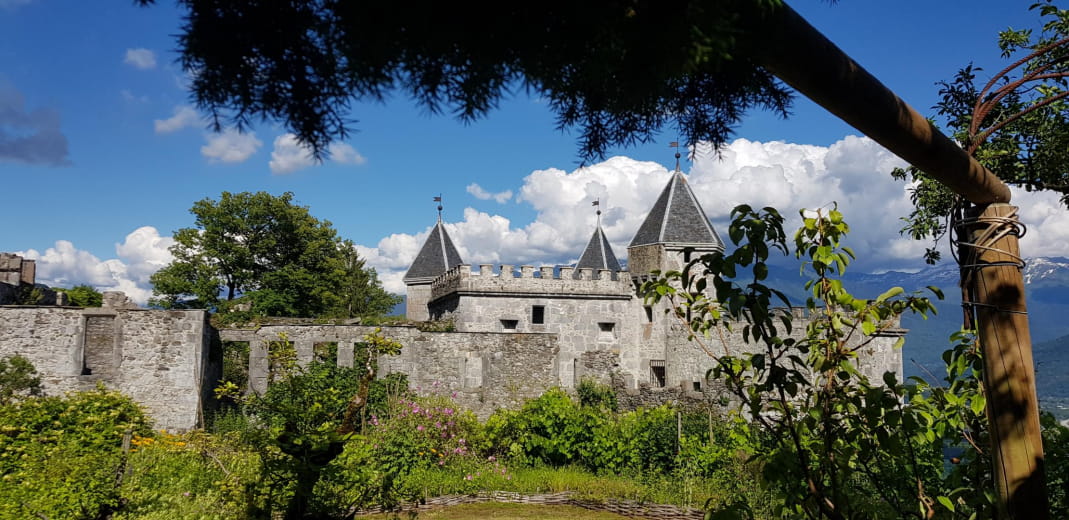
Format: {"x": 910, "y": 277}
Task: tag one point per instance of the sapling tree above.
{"x": 839, "y": 446}
{"x": 302, "y": 423}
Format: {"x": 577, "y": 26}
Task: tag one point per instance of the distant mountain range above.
{"x": 1047, "y": 296}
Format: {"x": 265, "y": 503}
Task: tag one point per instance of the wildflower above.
{"x": 419, "y": 428}
{"x": 491, "y": 458}
{"x": 468, "y": 477}
{"x": 186, "y": 494}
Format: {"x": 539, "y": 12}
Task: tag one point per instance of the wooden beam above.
{"x": 804, "y": 59}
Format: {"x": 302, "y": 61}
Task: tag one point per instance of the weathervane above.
{"x": 438, "y": 199}
{"x": 675, "y": 144}
{"x": 597, "y": 204}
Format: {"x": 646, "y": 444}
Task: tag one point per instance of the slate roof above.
{"x": 437, "y": 256}
{"x": 598, "y": 254}
{"x": 677, "y": 219}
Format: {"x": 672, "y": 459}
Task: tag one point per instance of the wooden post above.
{"x": 991, "y": 265}
{"x": 803, "y": 58}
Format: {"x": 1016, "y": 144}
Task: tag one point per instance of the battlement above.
{"x": 550, "y": 281}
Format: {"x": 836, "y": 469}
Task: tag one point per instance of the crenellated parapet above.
{"x": 531, "y": 280}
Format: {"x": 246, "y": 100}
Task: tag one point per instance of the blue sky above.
{"x": 109, "y": 162}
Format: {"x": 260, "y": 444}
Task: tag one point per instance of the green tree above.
{"x": 83, "y": 295}
{"x": 305, "y": 418}
{"x": 270, "y": 252}
{"x": 18, "y": 379}
{"x": 1016, "y": 123}
{"x": 361, "y": 290}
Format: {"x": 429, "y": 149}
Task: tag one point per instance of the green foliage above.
{"x": 1016, "y": 124}
{"x": 27, "y": 294}
{"x": 273, "y": 253}
{"x": 83, "y": 295}
{"x": 836, "y": 445}
{"x": 423, "y": 433}
{"x": 302, "y": 423}
{"x": 613, "y": 82}
{"x": 59, "y": 456}
{"x": 18, "y": 379}
{"x": 195, "y": 475}
{"x": 594, "y": 394}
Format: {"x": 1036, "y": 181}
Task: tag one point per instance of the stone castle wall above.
{"x": 162, "y": 359}
{"x": 485, "y": 370}
{"x": 461, "y": 280}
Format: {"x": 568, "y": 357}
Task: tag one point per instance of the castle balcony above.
{"x": 545, "y": 281}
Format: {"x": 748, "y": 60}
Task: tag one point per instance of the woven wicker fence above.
{"x": 621, "y": 507}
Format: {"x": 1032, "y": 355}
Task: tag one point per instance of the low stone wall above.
{"x": 484, "y": 371}
{"x": 162, "y": 359}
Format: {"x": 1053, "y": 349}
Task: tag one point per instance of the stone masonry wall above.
{"x": 486, "y": 370}
{"x": 159, "y": 358}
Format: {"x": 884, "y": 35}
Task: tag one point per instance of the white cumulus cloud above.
{"x": 141, "y": 253}
{"x": 478, "y": 192}
{"x": 853, "y": 173}
{"x": 289, "y": 155}
{"x": 230, "y": 146}
{"x": 184, "y": 116}
{"x": 140, "y": 58}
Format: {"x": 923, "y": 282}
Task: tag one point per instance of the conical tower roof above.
{"x": 437, "y": 256}
{"x": 598, "y": 253}
{"x": 677, "y": 219}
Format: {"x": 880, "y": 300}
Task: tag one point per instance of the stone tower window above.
{"x": 509, "y": 325}
{"x": 538, "y": 314}
{"x": 605, "y": 330}
{"x": 649, "y": 313}
{"x": 657, "y": 375}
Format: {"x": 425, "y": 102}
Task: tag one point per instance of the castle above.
{"x": 602, "y": 326}
{"x": 515, "y": 332}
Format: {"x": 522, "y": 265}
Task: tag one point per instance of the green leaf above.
{"x": 890, "y": 293}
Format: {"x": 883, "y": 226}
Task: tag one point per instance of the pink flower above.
{"x": 419, "y": 428}
{"x": 491, "y": 458}
{"x": 468, "y": 477}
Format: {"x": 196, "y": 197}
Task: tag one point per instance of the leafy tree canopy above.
{"x": 83, "y": 295}
{"x": 617, "y": 70}
{"x": 1016, "y": 124}
{"x": 271, "y": 253}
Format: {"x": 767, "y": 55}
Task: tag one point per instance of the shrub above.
{"x": 60, "y": 456}
{"x": 422, "y": 433}
{"x": 596, "y": 395}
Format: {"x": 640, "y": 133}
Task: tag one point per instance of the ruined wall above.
{"x": 159, "y": 358}
{"x": 486, "y": 370}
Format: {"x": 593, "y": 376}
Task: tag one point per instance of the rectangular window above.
{"x": 325, "y": 352}
{"x": 657, "y": 373}
{"x": 605, "y": 330}
{"x": 509, "y": 325}
{"x": 697, "y": 386}
{"x": 538, "y": 314}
